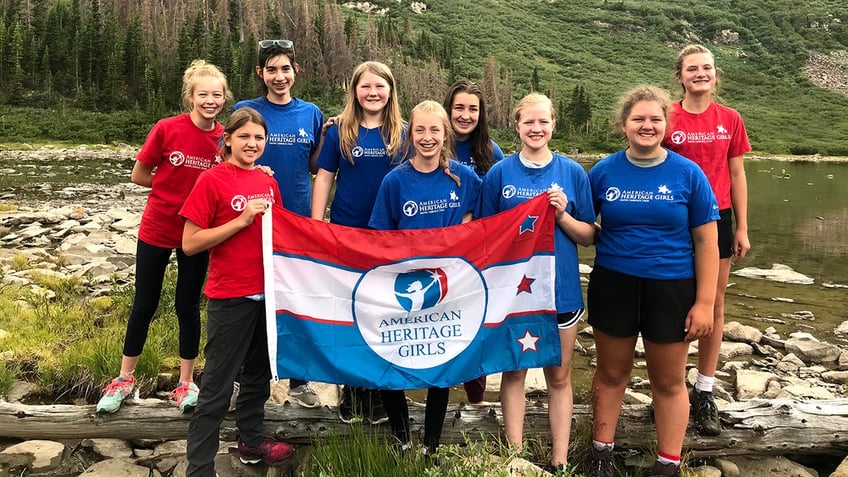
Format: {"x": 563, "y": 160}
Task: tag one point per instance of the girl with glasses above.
{"x": 294, "y": 138}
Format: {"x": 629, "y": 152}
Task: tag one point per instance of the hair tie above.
{"x": 447, "y": 171}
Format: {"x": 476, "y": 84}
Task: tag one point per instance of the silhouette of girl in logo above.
{"x": 415, "y": 294}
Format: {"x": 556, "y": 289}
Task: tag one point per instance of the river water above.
{"x": 798, "y": 215}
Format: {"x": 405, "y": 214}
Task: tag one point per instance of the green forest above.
{"x": 102, "y": 71}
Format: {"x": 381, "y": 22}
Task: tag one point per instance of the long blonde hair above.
{"x": 351, "y": 117}
{"x": 436, "y": 109}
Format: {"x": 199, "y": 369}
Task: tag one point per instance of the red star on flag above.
{"x": 524, "y": 286}
{"x": 528, "y": 341}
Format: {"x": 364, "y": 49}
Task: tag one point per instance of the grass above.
{"x": 70, "y": 344}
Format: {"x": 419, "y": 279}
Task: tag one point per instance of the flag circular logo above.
{"x": 420, "y": 313}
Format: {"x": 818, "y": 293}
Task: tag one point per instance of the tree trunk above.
{"x": 750, "y": 427}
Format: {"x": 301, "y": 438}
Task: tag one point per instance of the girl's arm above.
{"x": 582, "y": 233}
{"x": 313, "y": 158}
{"x": 142, "y": 175}
{"x": 196, "y": 239}
{"x": 699, "y": 320}
{"x": 739, "y": 202}
{"x": 321, "y": 192}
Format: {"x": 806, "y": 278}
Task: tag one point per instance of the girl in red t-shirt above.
{"x": 714, "y": 137}
{"x": 174, "y": 154}
{"x": 221, "y": 217}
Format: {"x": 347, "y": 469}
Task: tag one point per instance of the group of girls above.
{"x": 657, "y": 270}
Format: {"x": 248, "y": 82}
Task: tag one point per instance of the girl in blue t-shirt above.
{"x": 428, "y": 177}
{"x": 523, "y": 175}
{"x": 467, "y": 110}
{"x": 291, "y": 151}
{"x": 358, "y": 150}
{"x": 473, "y": 147}
{"x": 656, "y": 266}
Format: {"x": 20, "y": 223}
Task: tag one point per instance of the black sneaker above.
{"x": 374, "y": 410}
{"x": 707, "y": 422}
{"x": 603, "y": 463}
{"x": 350, "y": 405}
{"x": 664, "y": 470}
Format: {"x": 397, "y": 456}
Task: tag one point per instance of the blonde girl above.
{"x": 532, "y": 171}
{"x": 428, "y": 176}
{"x": 359, "y": 149}
{"x": 174, "y": 154}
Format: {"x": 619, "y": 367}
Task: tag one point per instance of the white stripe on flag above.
{"x": 314, "y": 291}
{"x": 317, "y": 291}
{"x": 506, "y": 299}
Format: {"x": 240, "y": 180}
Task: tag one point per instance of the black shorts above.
{"x": 569, "y": 319}
{"x": 623, "y": 305}
{"x": 725, "y": 234}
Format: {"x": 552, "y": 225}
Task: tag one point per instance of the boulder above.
{"x": 123, "y": 467}
{"x": 811, "y": 350}
{"x": 47, "y": 454}
{"x": 735, "y": 331}
{"x": 751, "y": 384}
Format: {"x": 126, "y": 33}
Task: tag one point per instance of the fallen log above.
{"x": 780, "y": 426}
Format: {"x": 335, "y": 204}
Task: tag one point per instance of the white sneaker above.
{"x": 304, "y": 395}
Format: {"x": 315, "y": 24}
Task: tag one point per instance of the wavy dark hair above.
{"x": 481, "y": 142}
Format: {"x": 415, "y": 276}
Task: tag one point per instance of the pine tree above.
{"x": 14, "y": 84}
{"x": 133, "y": 58}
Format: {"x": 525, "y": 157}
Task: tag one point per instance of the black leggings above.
{"x": 151, "y": 262}
{"x": 434, "y": 414}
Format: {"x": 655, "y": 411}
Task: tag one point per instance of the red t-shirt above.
{"x": 219, "y": 196}
{"x": 709, "y": 139}
{"x": 179, "y": 151}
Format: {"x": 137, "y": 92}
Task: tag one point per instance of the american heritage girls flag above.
{"x": 410, "y": 309}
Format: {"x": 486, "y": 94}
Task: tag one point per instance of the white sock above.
{"x": 598, "y": 445}
{"x": 704, "y": 383}
{"x": 665, "y": 460}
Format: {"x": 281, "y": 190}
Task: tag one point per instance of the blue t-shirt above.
{"x": 463, "y": 155}
{"x": 294, "y": 131}
{"x": 357, "y": 183}
{"x": 509, "y": 183}
{"x": 647, "y": 214}
{"x": 409, "y": 199}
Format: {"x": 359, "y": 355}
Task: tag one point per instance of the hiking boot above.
{"x": 664, "y": 470}
{"x": 234, "y": 397}
{"x": 270, "y": 451}
{"x": 304, "y": 395}
{"x": 603, "y": 463}
{"x": 185, "y": 396}
{"x": 350, "y": 405}
{"x": 374, "y": 410}
{"x": 707, "y": 422}
{"x": 114, "y": 394}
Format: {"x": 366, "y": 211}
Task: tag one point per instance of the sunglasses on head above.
{"x": 284, "y": 44}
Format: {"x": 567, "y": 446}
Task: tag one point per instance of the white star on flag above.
{"x": 528, "y": 341}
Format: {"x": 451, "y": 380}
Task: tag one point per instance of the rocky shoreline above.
{"x": 88, "y": 232}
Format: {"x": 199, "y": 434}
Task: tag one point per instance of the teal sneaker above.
{"x": 185, "y": 396}
{"x": 114, "y": 394}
